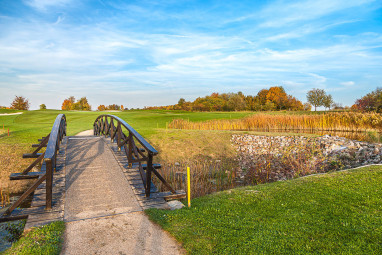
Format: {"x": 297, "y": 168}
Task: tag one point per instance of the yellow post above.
{"x": 188, "y": 187}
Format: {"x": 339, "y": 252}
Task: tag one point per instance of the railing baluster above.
{"x": 148, "y": 175}
{"x": 133, "y": 153}
{"x": 130, "y": 151}
{"x": 49, "y": 183}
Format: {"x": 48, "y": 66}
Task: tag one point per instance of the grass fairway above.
{"x": 31, "y": 125}
{"x": 335, "y": 213}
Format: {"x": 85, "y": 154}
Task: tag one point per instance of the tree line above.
{"x": 274, "y": 98}
{"x": 371, "y": 102}
{"x": 81, "y": 104}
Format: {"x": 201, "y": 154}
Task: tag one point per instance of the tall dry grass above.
{"x": 206, "y": 176}
{"x": 336, "y": 121}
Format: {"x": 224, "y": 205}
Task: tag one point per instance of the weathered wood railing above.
{"x": 48, "y": 163}
{"x": 136, "y": 155}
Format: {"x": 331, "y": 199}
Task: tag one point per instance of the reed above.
{"x": 206, "y": 176}
{"x": 336, "y": 121}
{"x": 5, "y": 198}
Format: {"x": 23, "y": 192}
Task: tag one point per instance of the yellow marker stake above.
{"x": 188, "y": 187}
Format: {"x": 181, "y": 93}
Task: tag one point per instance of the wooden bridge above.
{"x": 83, "y": 177}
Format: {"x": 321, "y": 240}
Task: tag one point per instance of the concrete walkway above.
{"x": 102, "y": 213}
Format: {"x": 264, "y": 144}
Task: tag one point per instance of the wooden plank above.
{"x": 31, "y": 155}
{"x": 30, "y": 175}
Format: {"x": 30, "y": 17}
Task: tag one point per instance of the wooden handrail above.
{"x": 104, "y": 125}
{"x": 52, "y": 142}
{"x": 132, "y": 131}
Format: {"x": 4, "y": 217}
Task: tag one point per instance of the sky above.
{"x": 147, "y": 53}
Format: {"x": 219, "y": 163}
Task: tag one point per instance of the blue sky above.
{"x": 145, "y": 53}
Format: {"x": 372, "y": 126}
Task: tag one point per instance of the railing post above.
{"x": 148, "y": 174}
{"x": 49, "y": 183}
{"x": 130, "y": 151}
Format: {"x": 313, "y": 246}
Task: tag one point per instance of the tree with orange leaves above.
{"x": 68, "y": 104}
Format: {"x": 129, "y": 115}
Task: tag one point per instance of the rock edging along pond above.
{"x": 272, "y": 158}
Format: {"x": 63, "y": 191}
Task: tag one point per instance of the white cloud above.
{"x": 348, "y": 83}
{"x": 43, "y": 5}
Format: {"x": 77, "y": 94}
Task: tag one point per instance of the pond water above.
{"x": 7, "y": 229}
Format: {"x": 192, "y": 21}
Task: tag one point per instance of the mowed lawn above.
{"x": 31, "y": 125}
{"x": 335, "y": 213}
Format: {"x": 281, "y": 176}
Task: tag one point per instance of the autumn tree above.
{"x": 307, "y": 107}
{"x": 82, "y": 105}
{"x": 101, "y": 108}
{"x": 113, "y": 107}
{"x": 42, "y": 107}
{"x": 20, "y": 103}
{"x": 236, "y": 103}
{"x": 316, "y": 97}
{"x": 370, "y": 102}
{"x": 277, "y": 96}
{"x": 68, "y": 104}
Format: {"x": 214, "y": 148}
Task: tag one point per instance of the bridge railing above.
{"x": 47, "y": 160}
{"x": 137, "y": 150}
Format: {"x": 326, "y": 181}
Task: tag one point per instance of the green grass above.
{"x": 31, "y": 125}
{"x": 43, "y": 240}
{"x": 335, "y": 213}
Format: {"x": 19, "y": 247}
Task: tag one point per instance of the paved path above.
{"x": 102, "y": 213}
{"x": 8, "y": 114}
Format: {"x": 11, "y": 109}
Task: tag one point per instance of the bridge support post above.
{"x": 49, "y": 183}
{"x": 148, "y": 175}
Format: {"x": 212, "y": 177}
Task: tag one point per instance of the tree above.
{"x": 236, "y": 103}
{"x": 42, "y": 107}
{"x": 82, "y": 105}
{"x": 328, "y": 101}
{"x": 101, "y": 108}
{"x": 316, "y": 97}
{"x": 68, "y": 104}
{"x": 20, "y": 103}
{"x": 277, "y": 96}
{"x": 307, "y": 107}
{"x": 370, "y": 102}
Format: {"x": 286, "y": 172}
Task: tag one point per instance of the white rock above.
{"x": 175, "y": 205}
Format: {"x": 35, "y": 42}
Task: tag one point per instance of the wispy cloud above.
{"x": 43, "y": 5}
{"x": 154, "y": 49}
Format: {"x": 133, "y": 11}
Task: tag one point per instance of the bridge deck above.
{"x": 102, "y": 208}
{"x": 95, "y": 183}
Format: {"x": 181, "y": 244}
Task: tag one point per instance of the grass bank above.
{"x": 335, "y": 213}
{"x": 43, "y": 240}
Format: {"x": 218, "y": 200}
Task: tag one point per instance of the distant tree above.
{"x": 262, "y": 96}
{"x": 328, "y": 101}
{"x": 122, "y": 107}
{"x": 113, "y": 107}
{"x": 236, "y": 103}
{"x": 277, "y": 96}
{"x": 181, "y": 101}
{"x": 68, "y": 104}
{"x": 370, "y": 102}
{"x": 82, "y": 105}
{"x": 307, "y": 107}
{"x": 101, "y": 108}
{"x": 42, "y": 107}
{"x": 269, "y": 106}
{"x": 316, "y": 97}
{"x": 20, "y": 103}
